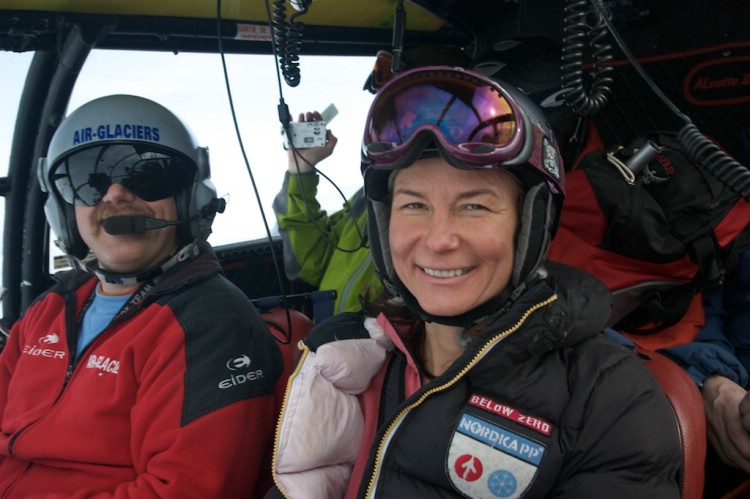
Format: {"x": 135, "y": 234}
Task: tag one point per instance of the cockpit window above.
{"x": 193, "y": 86}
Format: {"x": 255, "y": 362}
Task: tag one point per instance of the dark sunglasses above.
{"x": 84, "y": 177}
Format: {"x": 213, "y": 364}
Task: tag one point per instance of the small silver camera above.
{"x": 305, "y": 134}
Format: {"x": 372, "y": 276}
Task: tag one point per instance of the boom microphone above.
{"x": 120, "y": 225}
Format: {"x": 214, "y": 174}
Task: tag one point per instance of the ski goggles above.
{"x": 470, "y": 117}
{"x": 84, "y": 177}
{"x": 382, "y": 71}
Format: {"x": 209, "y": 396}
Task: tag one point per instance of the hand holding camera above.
{"x": 305, "y": 134}
{"x": 311, "y": 141}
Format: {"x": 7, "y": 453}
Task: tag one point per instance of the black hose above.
{"x": 721, "y": 165}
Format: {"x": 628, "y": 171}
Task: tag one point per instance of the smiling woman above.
{"x": 443, "y": 208}
{"x": 460, "y": 234}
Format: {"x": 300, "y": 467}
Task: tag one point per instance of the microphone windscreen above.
{"x": 124, "y": 224}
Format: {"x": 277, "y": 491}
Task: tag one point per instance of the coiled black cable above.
{"x": 704, "y": 151}
{"x": 287, "y": 37}
{"x": 576, "y": 33}
{"x": 725, "y": 168}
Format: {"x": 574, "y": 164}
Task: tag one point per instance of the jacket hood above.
{"x": 583, "y": 300}
{"x": 565, "y": 308}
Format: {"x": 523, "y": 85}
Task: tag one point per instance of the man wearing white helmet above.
{"x": 143, "y": 372}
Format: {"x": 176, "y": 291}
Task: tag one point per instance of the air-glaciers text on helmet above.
{"x": 115, "y": 131}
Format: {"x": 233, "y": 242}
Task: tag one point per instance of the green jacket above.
{"x": 318, "y": 248}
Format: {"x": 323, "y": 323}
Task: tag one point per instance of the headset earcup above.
{"x": 196, "y": 200}
{"x": 77, "y": 247}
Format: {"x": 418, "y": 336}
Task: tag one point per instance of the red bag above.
{"x": 656, "y": 239}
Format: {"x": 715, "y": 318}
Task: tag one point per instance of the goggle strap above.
{"x": 536, "y": 213}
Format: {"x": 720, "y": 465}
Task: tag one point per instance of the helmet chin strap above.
{"x": 486, "y": 312}
{"x": 127, "y": 278}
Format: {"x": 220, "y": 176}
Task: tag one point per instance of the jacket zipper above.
{"x": 394, "y": 424}
{"x": 23, "y": 430}
{"x": 72, "y": 339}
{"x": 68, "y": 374}
{"x": 305, "y": 350}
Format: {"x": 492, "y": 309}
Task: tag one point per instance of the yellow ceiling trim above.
{"x": 335, "y": 13}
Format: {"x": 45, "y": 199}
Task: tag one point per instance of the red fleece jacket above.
{"x": 179, "y": 400}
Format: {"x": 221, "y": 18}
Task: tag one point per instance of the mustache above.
{"x": 104, "y": 211}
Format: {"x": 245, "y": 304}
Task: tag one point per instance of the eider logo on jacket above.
{"x": 243, "y": 361}
{"x": 240, "y": 363}
{"x": 489, "y": 461}
{"x": 49, "y": 339}
{"x": 44, "y": 350}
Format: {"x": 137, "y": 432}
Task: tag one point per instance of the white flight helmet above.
{"x": 125, "y": 124}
